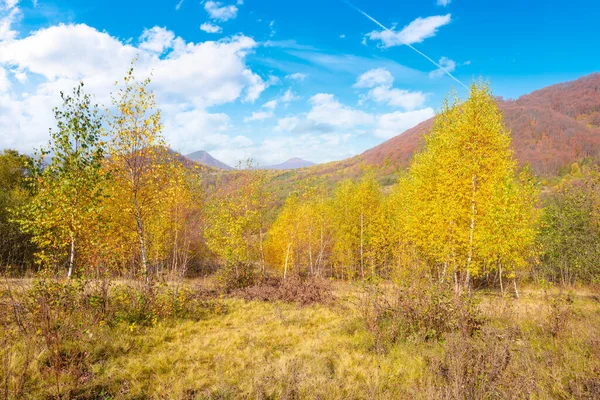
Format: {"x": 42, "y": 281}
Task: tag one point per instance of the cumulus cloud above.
{"x": 271, "y": 105}
{"x": 380, "y": 82}
{"x": 375, "y": 77}
{"x": 208, "y": 74}
{"x": 259, "y": 116}
{"x": 443, "y": 3}
{"x": 299, "y": 77}
{"x": 289, "y": 96}
{"x": 328, "y": 110}
{"x": 156, "y": 39}
{"x": 287, "y": 124}
{"x": 210, "y": 28}
{"x": 415, "y": 32}
{"x": 447, "y": 64}
{"x": 4, "y": 82}
{"x": 220, "y": 12}
{"x": 9, "y": 13}
{"x": 393, "y": 124}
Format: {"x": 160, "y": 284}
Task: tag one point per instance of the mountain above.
{"x": 202, "y": 157}
{"x": 551, "y": 128}
{"x": 292, "y": 163}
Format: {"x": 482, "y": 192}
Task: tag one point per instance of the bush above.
{"x": 233, "y": 277}
{"x": 420, "y": 312}
{"x": 147, "y": 304}
{"x": 294, "y": 289}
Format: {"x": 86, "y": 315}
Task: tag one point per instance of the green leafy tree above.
{"x": 16, "y": 249}
{"x": 570, "y": 235}
{"x": 65, "y": 208}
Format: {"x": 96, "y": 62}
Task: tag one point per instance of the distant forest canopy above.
{"x": 107, "y": 197}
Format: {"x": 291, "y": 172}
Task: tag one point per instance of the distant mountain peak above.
{"x": 292, "y": 163}
{"x": 204, "y": 158}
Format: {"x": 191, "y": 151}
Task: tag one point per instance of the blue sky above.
{"x": 275, "y": 79}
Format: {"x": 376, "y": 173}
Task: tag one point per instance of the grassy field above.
{"x": 543, "y": 345}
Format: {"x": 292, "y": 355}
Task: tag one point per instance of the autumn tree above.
{"x": 356, "y": 208}
{"x": 238, "y": 221}
{"x": 300, "y": 237}
{"x": 136, "y": 148}
{"x": 16, "y": 249}
{"x": 459, "y": 184}
{"x": 69, "y": 188}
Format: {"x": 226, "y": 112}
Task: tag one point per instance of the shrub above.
{"x": 294, "y": 289}
{"x": 421, "y": 312}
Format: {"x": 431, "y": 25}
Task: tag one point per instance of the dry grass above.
{"x": 536, "y": 346}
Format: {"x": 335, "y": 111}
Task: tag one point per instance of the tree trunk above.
{"x": 500, "y": 273}
{"x": 471, "y": 231}
{"x": 71, "y": 256}
{"x": 262, "y": 253}
{"x": 515, "y": 285}
{"x": 310, "y": 258}
{"x": 287, "y": 255}
{"x": 362, "y": 267}
{"x": 140, "y": 230}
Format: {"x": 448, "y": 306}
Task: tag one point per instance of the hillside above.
{"x": 551, "y": 128}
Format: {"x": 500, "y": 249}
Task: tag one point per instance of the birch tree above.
{"x": 68, "y": 188}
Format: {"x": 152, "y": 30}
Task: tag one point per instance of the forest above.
{"x": 130, "y": 272}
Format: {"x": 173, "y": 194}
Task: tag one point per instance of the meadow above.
{"x": 337, "y": 345}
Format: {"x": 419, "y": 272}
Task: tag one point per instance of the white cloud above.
{"x": 380, "y": 82}
{"x": 4, "y": 82}
{"x": 220, "y": 12}
{"x": 447, "y": 64}
{"x": 208, "y": 74}
{"x": 393, "y": 124}
{"x": 156, "y": 39}
{"x": 443, "y": 3}
{"x": 327, "y": 110}
{"x": 9, "y": 13}
{"x": 415, "y": 32}
{"x": 272, "y": 31}
{"x": 375, "y": 77}
{"x": 272, "y": 104}
{"x": 289, "y": 96}
{"x": 297, "y": 77}
{"x": 342, "y": 36}
{"x": 210, "y": 28}
{"x": 287, "y": 124}
{"x": 178, "y": 6}
{"x": 259, "y": 116}
{"x": 397, "y": 97}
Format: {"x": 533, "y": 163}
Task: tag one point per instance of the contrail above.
{"x": 407, "y": 44}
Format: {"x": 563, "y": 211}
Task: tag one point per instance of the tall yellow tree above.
{"x": 237, "y": 223}
{"x": 356, "y": 209}
{"x": 300, "y": 237}
{"x": 136, "y": 149}
{"x": 459, "y": 182}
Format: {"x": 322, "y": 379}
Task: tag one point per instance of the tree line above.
{"x": 107, "y": 196}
